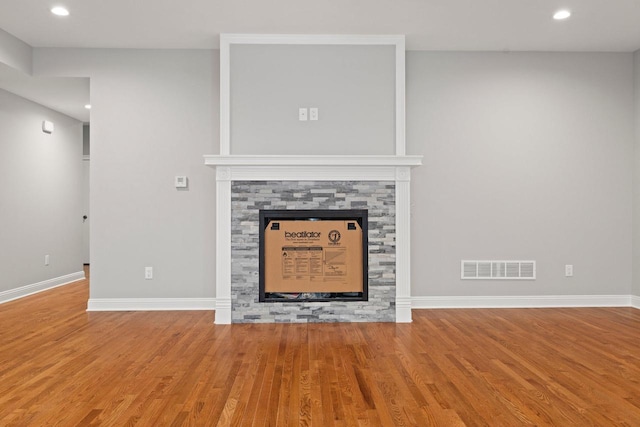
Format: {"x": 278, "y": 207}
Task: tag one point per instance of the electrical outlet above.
{"x": 313, "y": 113}
{"x": 568, "y": 270}
{"x": 46, "y": 260}
{"x": 148, "y": 273}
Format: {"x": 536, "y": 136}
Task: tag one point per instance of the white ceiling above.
{"x": 596, "y": 25}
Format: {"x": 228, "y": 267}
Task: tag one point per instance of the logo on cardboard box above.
{"x": 334, "y": 237}
{"x": 302, "y": 234}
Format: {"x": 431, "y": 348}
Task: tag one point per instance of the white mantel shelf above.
{"x": 308, "y": 161}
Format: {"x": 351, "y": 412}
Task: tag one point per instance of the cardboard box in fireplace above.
{"x": 313, "y": 256}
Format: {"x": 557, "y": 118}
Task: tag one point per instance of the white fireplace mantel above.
{"x": 307, "y": 160}
{"x": 317, "y": 168}
{"x": 230, "y": 167}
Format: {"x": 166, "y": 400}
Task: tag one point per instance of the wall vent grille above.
{"x": 498, "y": 270}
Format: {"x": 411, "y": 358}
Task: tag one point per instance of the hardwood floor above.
{"x": 60, "y": 365}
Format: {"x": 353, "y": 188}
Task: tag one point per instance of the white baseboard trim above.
{"x": 535, "y": 301}
{"x": 34, "y": 288}
{"x": 150, "y": 304}
{"x": 223, "y": 311}
{"x": 531, "y": 301}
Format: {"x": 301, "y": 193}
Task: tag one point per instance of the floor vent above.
{"x": 498, "y": 270}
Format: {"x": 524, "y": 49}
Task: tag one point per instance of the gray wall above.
{"x": 526, "y": 156}
{"x": 353, "y": 87}
{"x": 154, "y": 114}
{"x": 636, "y": 179}
{"x": 40, "y": 195}
{"x": 15, "y": 53}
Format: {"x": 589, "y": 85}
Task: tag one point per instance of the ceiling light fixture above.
{"x": 60, "y": 11}
{"x": 87, "y": 106}
{"x": 561, "y": 14}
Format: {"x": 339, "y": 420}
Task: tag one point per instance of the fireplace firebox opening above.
{"x": 313, "y": 255}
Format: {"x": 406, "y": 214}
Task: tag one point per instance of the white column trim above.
{"x": 403, "y": 245}
{"x": 223, "y": 246}
{"x": 400, "y": 98}
{"x": 225, "y": 94}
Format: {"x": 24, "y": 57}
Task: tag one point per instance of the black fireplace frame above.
{"x": 360, "y": 216}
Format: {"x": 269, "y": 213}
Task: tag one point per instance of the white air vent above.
{"x": 498, "y": 270}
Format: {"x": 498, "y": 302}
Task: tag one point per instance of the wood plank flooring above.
{"x": 60, "y": 365}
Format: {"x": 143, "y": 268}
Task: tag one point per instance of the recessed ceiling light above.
{"x": 561, "y": 14}
{"x": 60, "y": 11}
{"x": 87, "y": 106}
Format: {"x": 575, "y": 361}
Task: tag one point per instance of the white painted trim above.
{"x": 226, "y": 40}
{"x": 401, "y": 144}
{"x": 35, "y": 288}
{"x": 86, "y": 157}
{"x": 223, "y": 245}
{"x": 528, "y": 301}
{"x": 313, "y": 39}
{"x": 223, "y": 310}
{"x": 314, "y": 168}
{"x": 225, "y": 94}
{"x": 403, "y": 246}
{"x": 308, "y": 160}
{"x": 150, "y": 304}
{"x": 403, "y": 308}
{"x": 312, "y": 173}
{"x": 417, "y": 303}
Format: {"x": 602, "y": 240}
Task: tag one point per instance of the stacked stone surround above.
{"x": 248, "y": 197}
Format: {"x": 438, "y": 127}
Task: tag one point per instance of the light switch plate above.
{"x": 302, "y": 114}
{"x": 181, "y": 181}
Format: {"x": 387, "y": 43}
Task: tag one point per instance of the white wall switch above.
{"x": 181, "y": 182}
{"x": 46, "y": 260}
{"x": 313, "y": 113}
{"x": 302, "y": 114}
{"x": 148, "y": 273}
{"x": 568, "y": 270}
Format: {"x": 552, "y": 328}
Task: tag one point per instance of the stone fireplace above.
{"x": 248, "y": 184}
{"x": 248, "y": 197}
